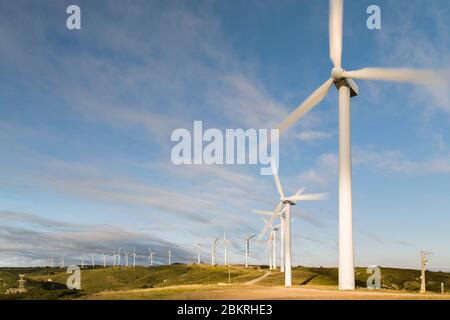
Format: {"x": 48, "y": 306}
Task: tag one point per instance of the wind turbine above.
{"x": 53, "y": 264}
{"x": 272, "y": 241}
{"x": 134, "y": 257}
{"x": 104, "y": 260}
{"x": 169, "y": 256}
{"x": 62, "y": 260}
{"x": 126, "y": 253}
{"x": 247, "y": 248}
{"x": 150, "y": 257}
{"x": 287, "y": 202}
{"x": 93, "y": 260}
{"x": 213, "y": 251}
{"x": 225, "y": 243}
{"x": 82, "y": 261}
{"x": 282, "y": 215}
{"x": 114, "y": 257}
{"x": 343, "y": 80}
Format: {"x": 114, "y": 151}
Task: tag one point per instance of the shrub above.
{"x": 411, "y": 286}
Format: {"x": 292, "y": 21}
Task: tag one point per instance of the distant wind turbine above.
{"x": 247, "y": 248}
{"x": 213, "y": 251}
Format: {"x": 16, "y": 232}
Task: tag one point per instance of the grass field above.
{"x": 206, "y": 282}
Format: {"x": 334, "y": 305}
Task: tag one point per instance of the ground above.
{"x": 219, "y": 282}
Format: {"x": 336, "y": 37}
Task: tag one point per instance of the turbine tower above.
{"x": 247, "y": 248}
{"x": 225, "y": 243}
{"x": 150, "y": 257}
{"x": 343, "y": 80}
{"x": 213, "y": 251}
{"x": 134, "y": 257}
{"x": 82, "y": 261}
{"x": 169, "y": 257}
{"x": 126, "y": 254}
{"x": 104, "y": 260}
{"x": 93, "y": 260}
{"x": 198, "y": 253}
{"x": 424, "y": 265}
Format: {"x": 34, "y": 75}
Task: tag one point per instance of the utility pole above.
{"x": 424, "y": 264}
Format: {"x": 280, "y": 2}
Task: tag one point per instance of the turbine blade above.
{"x": 309, "y": 197}
{"x": 279, "y": 187}
{"x": 268, "y": 222}
{"x": 315, "y": 98}
{"x": 302, "y": 189}
{"x": 417, "y": 76}
{"x": 266, "y": 213}
{"x": 336, "y": 26}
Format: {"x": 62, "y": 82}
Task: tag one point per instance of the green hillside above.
{"x": 114, "y": 279}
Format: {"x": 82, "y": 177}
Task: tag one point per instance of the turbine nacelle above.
{"x": 339, "y": 81}
{"x": 288, "y": 201}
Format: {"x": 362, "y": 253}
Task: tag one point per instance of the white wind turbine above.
{"x": 82, "y": 261}
{"x": 169, "y": 256}
{"x": 225, "y": 243}
{"x": 272, "y": 242}
{"x": 213, "y": 251}
{"x": 114, "y": 257}
{"x": 53, "y": 262}
{"x": 133, "y": 254}
{"x": 343, "y": 80}
{"x": 150, "y": 257}
{"x": 287, "y": 202}
{"x": 126, "y": 254}
{"x": 247, "y": 248}
{"x": 282, "y": 216}
{"x": 62, "y": 260}
{"x": 93, "y": 260}
{"x": 104, "y": 260}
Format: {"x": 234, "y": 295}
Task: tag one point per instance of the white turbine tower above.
{"x": 62, "y": 260}
{"x": 247, "y": 248}
{"x": 104, "y": 260}
{"x": 126, "y": 254}
{"x": 114, "y": 257}
{"x": 82, "y": 261}
{"x": 285, "y": 212}
{"x": 93, "y": 260}
{"x": 53, "y": 262}
{"x": 198, "y": 253}
{"x": 150, "y": 257}
{"x": 213, "y": 251}
{"x": 225, "y": 243}
{"x": 134, "y": 257}
{"x": 347, "y": 88}
{"x": 169, "y": 256}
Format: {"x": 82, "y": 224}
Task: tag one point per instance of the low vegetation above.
{"x": 47, "y": 283}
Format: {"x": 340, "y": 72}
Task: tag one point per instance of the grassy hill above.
{"x": 101, "y": 279}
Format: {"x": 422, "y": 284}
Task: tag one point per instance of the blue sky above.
{"x": 86, "y": 118}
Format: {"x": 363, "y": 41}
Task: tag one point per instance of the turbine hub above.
{"x": 336, "y": 73}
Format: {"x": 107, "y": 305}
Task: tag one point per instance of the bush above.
{"x": 411, "y": 286}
